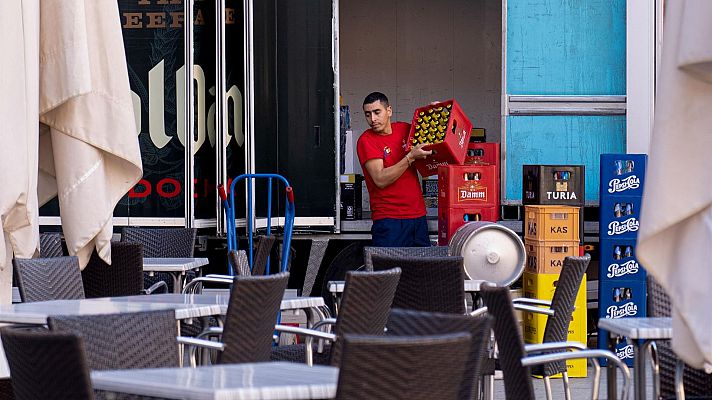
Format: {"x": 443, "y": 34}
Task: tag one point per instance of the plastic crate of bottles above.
{"x": 551, "y": 223}
{"x": 446, "y": 129}
{"x": 553, "y": 184}
{"x": 620, "y": 217}
{"x": 468, "y": 186}
{"x": 618, "y": 262}
{"x": 623, "y": 174}
{"x": 547, "y": 257}
{"x": 622, "y": 299}
{"x": 621, "y": 348}
{"x": 450, "y": 219}
{"x": 482, "y": 153}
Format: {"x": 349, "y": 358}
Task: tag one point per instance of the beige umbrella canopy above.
{"x": 675, "y": 238}
{"x": 88, "y": 148}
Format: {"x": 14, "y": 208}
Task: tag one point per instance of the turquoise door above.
{"x": 565, "y": 87}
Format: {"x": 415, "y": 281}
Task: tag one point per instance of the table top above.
{"x": 470, "y": 286}
{"x": 273, "y": 380}
{"x": 172, "y": 264}
{"x": 289, "y": 302}
{"x": 639, "y": 328}
{"x": 38, "y": 312}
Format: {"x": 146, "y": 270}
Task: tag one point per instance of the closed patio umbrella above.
{"x": 675, "y": 238}
{"x": 63, "y": 64}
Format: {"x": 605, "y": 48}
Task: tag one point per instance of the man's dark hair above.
{"x": 374, "y": 97}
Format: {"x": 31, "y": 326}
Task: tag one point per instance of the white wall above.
{"x": 418, "y": 51}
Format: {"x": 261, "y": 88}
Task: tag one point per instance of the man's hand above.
{"x": 417, "y": 152}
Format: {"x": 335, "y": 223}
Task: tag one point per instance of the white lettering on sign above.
{"x": 620, "y": 185}
{"x": 626, "y": 310}
{"x": 561, "y": 196}
{"x": 618, "y": 228}
{"x": 618, "y": 270}
{"x": 625, "y": 352}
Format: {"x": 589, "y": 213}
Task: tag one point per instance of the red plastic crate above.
{"x": 450, "y": 219}
{"x": 466, "y": 186}
{"x": 482, "y": 153}
{"x": 453, "y": 148}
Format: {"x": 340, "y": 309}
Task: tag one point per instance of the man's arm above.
{"x": 383, "y": 177}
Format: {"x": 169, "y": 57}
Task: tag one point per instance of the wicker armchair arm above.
{"x": 219, "y": 276}
{"x": 310, "y": 335}
{"x": 534, "y": 309}
{"x": 211, "y": 331}
{"x": 326, "y": 321}
{"x": 192, "y": 287}
{"x": 194, "y": 343}
{"x": 155, "y": 286}
{"x": 526, "y": 300}
{"x": 589, "y": 354}
{"x": 541, "y": 347}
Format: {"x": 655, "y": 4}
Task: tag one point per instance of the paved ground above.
{"x": 580, "y": 387}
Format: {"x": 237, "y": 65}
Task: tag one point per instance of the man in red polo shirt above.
{"x": 397, "y": 206}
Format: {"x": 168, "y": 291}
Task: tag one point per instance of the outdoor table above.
{"x": 175, "y": 267}
{"x": 337, "y": 287}
{"x": 311, "y": 305}
{"x": 640, "y": 333}
{"x": 266, "y": 381}
{"x": 38, "y": 312}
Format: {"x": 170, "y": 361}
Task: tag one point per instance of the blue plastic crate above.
{"x": 623, "y": 174}
{"x": 619, "y": 217}
{"x": 621, "y": 299}
{"x": 618, "y": 262}
{"x": 622, "y": 349}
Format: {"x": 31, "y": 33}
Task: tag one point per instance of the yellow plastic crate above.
{"x": 542, "y": 286}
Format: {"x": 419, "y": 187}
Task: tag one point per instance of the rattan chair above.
{"x": 46, "y": 365}
{"x": 125, "y": 340}
{"x": 249, "y": 322}
{"x": 516, "y": 360}
{"x": 124, "y": 277}
{"x": 434, "y": 284}
{"x": 421, "y": 323}
{"x": 696, "y": 383}
{"x": 42, "y": 279}
{"x": 433, "y": 251}
{"x": 365, "y": 306}
{"x": 239, "y": 262}
{"x": 263, "y": 249}
{"x": 162, "y": 243}
{"x": 50, "y": 245}
{"x": 559, "y": 313}
{"x": 407, "y": 368}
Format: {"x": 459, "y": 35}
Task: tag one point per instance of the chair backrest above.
{"x": 46, "y": 365}
{"x": 433, "y": 284}
{"x": 517, "y": 378}
{"x": 239, "y": 262}
{"x": 696, "y": 382}
{"x": 50, "y": 245}
{"x": 162, "y": 242}
{"x": 124, "y": 277}
{"x": 42, "y": 279}
{"x": 125, "y": 340}
{"x": 365, "y": 305}
{"x": 408, "y": 367}
{"x": 567, "y": 288}
{"x": 421, "y": 323}
{"x": 263, "y": 248}
{"x": 251, "y": 315}
{"x": 433, "y": 251}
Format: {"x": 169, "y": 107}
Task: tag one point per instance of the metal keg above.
{"x": 491, "y": 252}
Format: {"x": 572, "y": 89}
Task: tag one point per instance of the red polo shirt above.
{"x": 402, "y": 198}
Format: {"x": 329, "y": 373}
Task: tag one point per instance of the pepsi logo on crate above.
{"x": 621, "y": 299}
{"x": 623, "y": 174}
{"x": 619, "y": 216}
{"x": 446, "y": 130}
{"x": 621, "y": 348}
{"x": 553, "y": 184}
{"x": 468, "y": 186}
{"x": 617, "y": 260}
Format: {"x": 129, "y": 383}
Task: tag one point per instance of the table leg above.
{"x": 177, "y": 282}
{"x": 612, "y": 384}
{"x": 639, "y": 350}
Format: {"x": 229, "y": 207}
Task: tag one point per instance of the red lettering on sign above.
{"x": 133, "y": 194}
{"x": 160, "y": 187}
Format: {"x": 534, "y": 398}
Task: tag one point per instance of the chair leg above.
{"x": 488, "y": 390}
{"x": 679, "y": 383}
{"x": 547, "y": 388}
{"x": 567, "y": 388}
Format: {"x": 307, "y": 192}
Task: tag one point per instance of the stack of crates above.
{"x": 622, "y": 280}
{"x": 466, "y": 193}
{"x": 552, "y": 231}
